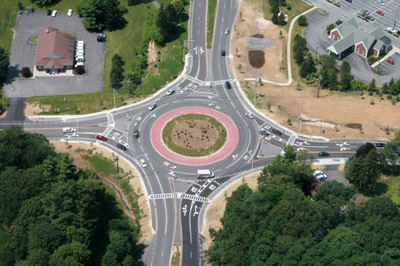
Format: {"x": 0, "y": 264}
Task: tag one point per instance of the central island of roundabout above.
{"x": 194, "y": 136}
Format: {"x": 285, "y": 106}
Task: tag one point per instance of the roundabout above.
{"x": 194, "y": 136}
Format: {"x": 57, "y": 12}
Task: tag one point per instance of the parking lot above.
{"x": 318, "y": 42}
{"x": 23, "y": 55}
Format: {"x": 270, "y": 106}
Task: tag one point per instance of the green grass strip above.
{"x": 167, "y": 132}
{"x": 212, "y": 6}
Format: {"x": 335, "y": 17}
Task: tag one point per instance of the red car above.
{"x": 380, "y": 12}
{"x": 390, "y": 61}
{"x": 101, "y": 137}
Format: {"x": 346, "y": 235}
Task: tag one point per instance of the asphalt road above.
{"x": 170, "y": 185}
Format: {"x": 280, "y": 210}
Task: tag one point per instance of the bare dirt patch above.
{"x": 152, "y": 53}
{"x": 216, "y": 209}
{"x": 34, "y": 109}
{"x": 73, "y": 150}
{"x": 194, "y": 134}
{"x": 251, "y": 23}
{"x": 256, "y": 58}
{"x": 332, "y": 115}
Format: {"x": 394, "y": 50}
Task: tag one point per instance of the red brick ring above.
{"x": 164, "y": 151}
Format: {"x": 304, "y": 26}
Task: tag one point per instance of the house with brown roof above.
{"x": 55, "y": 50}
{"x": 350, "y": 38}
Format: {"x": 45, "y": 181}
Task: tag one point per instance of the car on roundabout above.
{"x": 136, "y": 134}
{"x": 143, "y": 163}
{"x": 263, "y": 133}
{"x": 249, "y": 115}
{"x": 152, "y": 106}
{"x": 101, "y": 137}
{"x": 122, "y": 147}
{"x": 170, "y": 92}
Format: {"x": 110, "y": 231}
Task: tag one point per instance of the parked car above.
{"x": 101, "y": 137}
{"x": 69, "y": 130}
{"x": 152, "y": 106}
{"x": 122, "y": 147}
{"x": 170, "y": 92}
{"x": 227, "y": 31}
{"x": 228, "y": 85}
{"x": 391, "y": 29}
{"x": 69, "y": 12}
{"x": 143, "y": 163}
{"x": 48, "y": 12}
{"x": 301, "y": 149}
{"x": 369, "y": 18}
{"x": 390, "y": 61}
{"x": 380, "y": 144}
{"x": 380, "y": 12}
{"x": 323, "y": 154}
{"x": 80, "y": 59}
{"x": 277, "y": 132}
{"x": 54, "y": 13}
{"x": 249, "y": 115}
{"x": 264, "y": 133}
{"x": 136, "y": 134}
{"x": 223, "y": 53}
{"x": 381, "y": 2}
{"x": 78, "y": 64}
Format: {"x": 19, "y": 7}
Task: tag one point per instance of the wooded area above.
{"x": 53, "y": 214}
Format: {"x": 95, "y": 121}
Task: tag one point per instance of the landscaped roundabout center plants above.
{"x": 194, "y": 135}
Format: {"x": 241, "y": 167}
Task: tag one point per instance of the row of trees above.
{"x": 43, "y": 3}
{"x": 279, "y": 225}
{"x": 4, "y": 63}
{"x": 53, "y": 214}
{"x": 99, "y": 15}
{"x": 117, "y": 72}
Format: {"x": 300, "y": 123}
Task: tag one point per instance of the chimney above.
{"x": 47, "y": 30}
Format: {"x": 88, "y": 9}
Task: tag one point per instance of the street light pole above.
{"x": 255, "y": 92}
{"x": 114, "y": 93}
{"x": 116, "y": 159}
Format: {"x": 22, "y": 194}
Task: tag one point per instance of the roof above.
{"x": 347, "y": 27}
{"x": 344, "y": 43}
{"x": 55, "y": 48}
{"x": 379, "y": 44}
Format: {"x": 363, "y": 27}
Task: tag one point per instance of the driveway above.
{"x": 23, "y": 55}
{"x": 318, "y": 42}
{"x": 333, "y": 173}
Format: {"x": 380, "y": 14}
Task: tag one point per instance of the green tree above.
{"x": 334, "y": 193}
{"x": 299, "y": 49}
{"x": 345, "y": 76}
{"x": 330, "y": 27}
{"x": 42, "y": 3}
{"x": 328, "y": 72}
{"x": 117, "y": 72}
{"x": 179, "y": 7}
{"x": 114, "y": 15}
{"x": 74, "y": 253}
{"x": 302, "y": 21}
{"x": 307, "y": 67}
{"x": 4, "y": 63}
{"x": 166, "y": 23}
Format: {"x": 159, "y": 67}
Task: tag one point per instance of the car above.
{"x": 381, "y": 2}
{"x": 143, "y": 163}
{"x": 170, "y": 92}
{"x": 152, "y": 106}
{"x": 264, "y": 133}
{"x": 20, "y": 12}
{"x": 361, "y": 13}
{"x": 380, "y": 144}
{"x": 319, "y": 174}
{"x": 223, "y": 53}
{"x": 69, "y": 130}
{"x": 48, "y": 12}
{"x": 122, "y": 147}
{"x": 54, "y": 13}
{"x": 301, "y": 149}
{"x": 101, "y": 37}
{"x": 249, "y": 115}
{"x": 391, "y": 29}
{"x": 369, "y": 18}
{"x": 390, "y": 61}
{"x": 136, "y": 134}
{"x": 78, "y": 64}
{"x": 101, "y": 137}
{"x": 69, "y": 12}
{"x": 323, "y": 154}
{"x": 366, "y": 12}
{"x": 379, "y": 12}
{"x": 277, "y": 132}
{"x": 227, "y": 31}
{"x": 322, "y": 177}
{"x": 228, "y": 85}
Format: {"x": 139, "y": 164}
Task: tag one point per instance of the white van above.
{"x": 68, "y": 130}
{"x": 77, "y": 54}
{"x": 78, "y": 64}
{"x": 80, "y": 59}
{"x": 204, "y": 173}
{"x": 80, "y": 42}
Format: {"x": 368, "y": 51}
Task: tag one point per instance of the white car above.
{"x": 69, "y": 12}
{"x": 68, "y": 130}
{"x": 249, "y": 115}
{"x": 391, "y": 29}
{"x": 78, "y": 64}
{"x": 301, "y": 149}
{"x": 227, "y": 31}
{"x": 381, "y": 2}
{"x": 170, "y": 92}
{"x": 152, "y": 106}
{"x": 143, "y": 163}
{"x": 319, "y": 174}
{"x": 54, "y": 13}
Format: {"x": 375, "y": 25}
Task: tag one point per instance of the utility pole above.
{"x": 116, "y": 159}
{"x": 301, "y": 121}
{"x": 255, "y": 92}
{"x": 316, "y": 53}
{"x": 114, "y": 93}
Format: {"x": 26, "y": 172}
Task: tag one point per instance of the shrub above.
{"x": 26, "y": 72}
{"x": 330, "y": 27}
{"x": 80, "y": 70}
{"x": 302, "y": 21}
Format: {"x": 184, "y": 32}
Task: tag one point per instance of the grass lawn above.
{"x": 388, "y": 186}
{"x": 219, "y": 142}
{"x": 212, "y": 6}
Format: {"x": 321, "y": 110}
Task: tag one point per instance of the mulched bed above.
{"x": 256, "y": 58}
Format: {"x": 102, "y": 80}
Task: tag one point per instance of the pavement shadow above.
{"x": 12, "y": 74}
{"x": 15, "y": 111}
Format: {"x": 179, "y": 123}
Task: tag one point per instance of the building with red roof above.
{"x": 55, "y": 50}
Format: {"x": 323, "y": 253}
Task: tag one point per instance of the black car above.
{"x": 323, "y": 154}
{"x": 48, "y": 12}
{"x": 136, "y": 134}
{"x": 379, "y": 144}
{"x": 228, "y": 85}
{"x": 276, "y": 132}
{"x": 264, "y": 133}
{"x": 223, "y": 53}
{"x": 122, "y": 147}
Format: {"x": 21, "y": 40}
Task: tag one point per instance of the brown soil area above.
{"x": 34, "y": 109}
{"x": 152, "y": 53}
{"x": 189, "y": 134}
{"x": 256, "y": 58}
{"x": 135, "y": 182}
{"x": 334, "y": 114}
{"x": 251, "y": 23}
{"x": 216, "y": 209}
